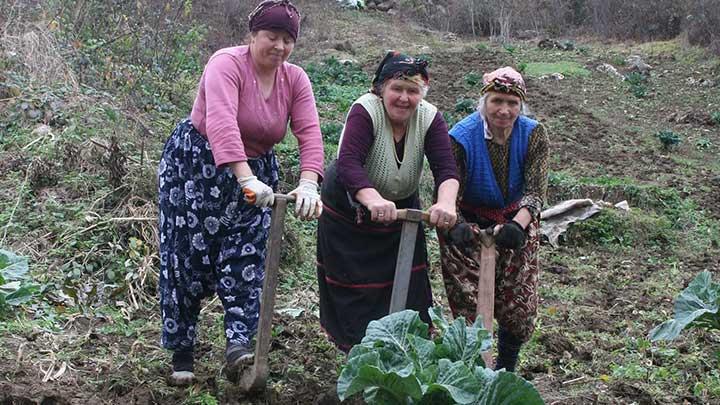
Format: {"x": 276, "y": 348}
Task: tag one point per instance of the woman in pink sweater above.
{"x": 211, "y": 240}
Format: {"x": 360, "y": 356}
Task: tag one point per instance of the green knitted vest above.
{"x": 393, "y": 182}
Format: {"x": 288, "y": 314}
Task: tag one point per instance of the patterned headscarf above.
{"x": 275, "y": 15}
{"x": 505, "y": 80}
{"x": 396, "y": 65}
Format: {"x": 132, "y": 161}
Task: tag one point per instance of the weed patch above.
{"x": 567, "y": 68}
{"x": 637, "y": 83}
{"x": 668, "y": 139}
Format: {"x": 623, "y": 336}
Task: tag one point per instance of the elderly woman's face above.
{"x": 502, "y": 109}
{"x": 400, "y": 98}
{"x": 270, "y": 48}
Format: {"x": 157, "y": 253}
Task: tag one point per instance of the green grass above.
{"x": 567, "y": 68}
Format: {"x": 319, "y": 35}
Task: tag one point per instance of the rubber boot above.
{"x": 182, "y": 368}
{"x": 237, "y": 357}
{"x": 508, "y": 350}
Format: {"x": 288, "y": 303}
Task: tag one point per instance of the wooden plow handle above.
{"x": 255, "y": 377}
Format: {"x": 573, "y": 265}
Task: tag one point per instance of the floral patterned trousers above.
{"x": 211, "y": 241}
{"x": 516, "y": 282}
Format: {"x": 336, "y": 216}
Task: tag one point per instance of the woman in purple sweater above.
{"x": 211, "y": 240}
{"x": 387, "y": 134}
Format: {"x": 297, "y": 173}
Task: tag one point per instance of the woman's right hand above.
{"x": 382, "y": 210}
{"x": 256, "y": 192}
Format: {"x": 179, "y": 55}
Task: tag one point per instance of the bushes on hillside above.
{"x": 640, "y": 19}
{"x": 702, "y": 24}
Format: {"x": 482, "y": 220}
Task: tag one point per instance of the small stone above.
{"x": 42, "y": 130}
{"x": 385, "y": 6}
{"x": 623, "y": 205}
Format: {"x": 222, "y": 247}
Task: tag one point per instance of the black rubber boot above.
{"x": 237, "y": 357}
{"x": 508, "y": 350}
{"x": 182, "y": 368}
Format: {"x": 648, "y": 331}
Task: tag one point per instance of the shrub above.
{"x": 465, "y": 106}
{"x": 703, "y": 143}
{"x": 615, "y": 228}
{"x": 331, "y": 131}
{"x": 701, "y": 24}
{"x": 668, "y": 138}
{"x": 336, "y": 84}
{"x": 473, "y": 78}
{"x": 450, "y": 118}
{"x": 637, "y": 83}
{"x": 715, "y": 117}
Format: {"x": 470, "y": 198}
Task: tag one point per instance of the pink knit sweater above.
{"x": 239, "y": 123}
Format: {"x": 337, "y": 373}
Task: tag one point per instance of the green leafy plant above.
{"x": 465, "y": 106}
{"x": 510, "y": 48}
{"x": 568, "y": 45}
{"x": 473, "y": 78}
{"x": 618, "y": 60}
{"x": 398, "y": 363}
{"x": 668, "y": 138}
{"x": 425, "y": 56}
{"x": 584, "y": 50}
{"x": 331, "y": 131}
{"x": 336, "y": 84}
{"x": 450, "y": 118}
{"x": 16, "y": 287}
{"x": 332, "y": 70}
{"x": 482, "y": 47}
{"x": 703, "y": 143}
{"x": 522, "y": 66}
{"x": 606, "y": 228}
{"x": 637, "y": 83}
{"x": 715, "y": 117}
{"x": 696, "y": 307}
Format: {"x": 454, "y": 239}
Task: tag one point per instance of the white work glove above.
{"x": 307, "y": 200}
{"x": 256, "y": 192}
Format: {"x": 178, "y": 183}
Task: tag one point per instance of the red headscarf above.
{"x": 275, "y": 15}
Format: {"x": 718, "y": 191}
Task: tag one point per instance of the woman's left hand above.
{"x": 308, "y": 205}
{"x": 443, "y": 215}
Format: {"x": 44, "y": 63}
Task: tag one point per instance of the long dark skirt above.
{"x": 356, "y": 266}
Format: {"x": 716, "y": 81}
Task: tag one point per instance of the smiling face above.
{"x": 501, "y": 110}
{"x": 400, "y": 98}
{"x": 270, "y": 48}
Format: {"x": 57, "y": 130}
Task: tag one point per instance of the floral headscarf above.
{"x": 505, "y": 80}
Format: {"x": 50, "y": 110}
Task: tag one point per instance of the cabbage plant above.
{"x": 16, "y": 287}
{"x": 696, "y": 307}
{"x": 397, "y": 362}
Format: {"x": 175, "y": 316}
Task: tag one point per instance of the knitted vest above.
{"x": 481, "y": 189}
{"x": 393, "y": 182}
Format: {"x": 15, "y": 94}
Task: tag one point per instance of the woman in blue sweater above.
{"x": 502, "y": 157}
